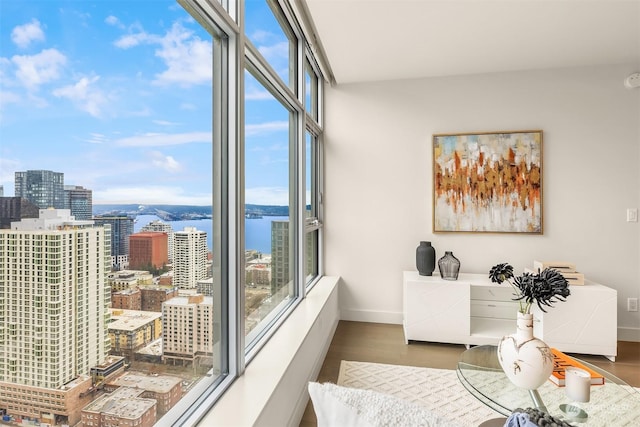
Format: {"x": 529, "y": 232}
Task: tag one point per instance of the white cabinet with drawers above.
{"x": 474, "y": 311}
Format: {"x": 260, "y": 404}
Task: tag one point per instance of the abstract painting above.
{"x": 488, "y": 182}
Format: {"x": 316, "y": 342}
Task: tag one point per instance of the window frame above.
{"x": 237, "y": 53}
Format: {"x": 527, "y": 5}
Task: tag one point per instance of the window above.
{"x": 166, "y": 104}
{"x": 269, "y": 149}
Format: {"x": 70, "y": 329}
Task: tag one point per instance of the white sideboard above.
{"x": 474, "y": 311}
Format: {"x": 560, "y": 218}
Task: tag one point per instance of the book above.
{"x": 561, "y": 266}
{"x": 562, "y": 361}
{"x": 573, "y": 278}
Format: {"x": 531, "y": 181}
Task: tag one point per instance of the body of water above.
{"x": 257, "y": 230}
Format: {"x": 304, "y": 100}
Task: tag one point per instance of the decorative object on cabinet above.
{"x": 544, "y": 288}
{"x": 526, "y": 360}
{"x": 488, "y": 182}
{"x": 425, "y": 259}
{"x": 449, "y": 266}
{"x": 567, "y": 269}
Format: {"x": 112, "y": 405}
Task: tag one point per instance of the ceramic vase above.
{"x": 425, "y": 259}
{"x": 449, "y": 266}
{"x": 526, "y": 360}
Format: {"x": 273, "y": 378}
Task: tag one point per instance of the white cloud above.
{"x": 187, "y": 57}
{"x": 7, "y": 172}
{"x": 258, "y": 95}
{"x": 261, "y": 36}
{"x": 163, "y": 139}
{"x": 263, "y": 128}
{"x": 267, "y": 196}
{"x": 276, "y": 52}
{"x": 168, "y": 163}
{"x": 7, "y": 97}
{"x": 165, "y": 123}
{"x": 97, "y": 138}
{"x": 150, "y": 195}
{"x": 23, "y": 35}
{"x": 44, "y": 67}
{"x": 132, "y": 40}
{"x": 114, "y": 21}
{"x": 84, "y": 95}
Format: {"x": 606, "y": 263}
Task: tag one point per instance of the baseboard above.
{"x": 628, "y": 334}
{"x": 371, "y": 316}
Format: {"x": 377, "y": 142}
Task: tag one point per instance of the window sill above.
{"x": 278, "y": 375}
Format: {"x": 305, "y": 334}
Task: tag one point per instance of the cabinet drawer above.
{"x": 494, "y": 309}
{"x": 492, "y": 293}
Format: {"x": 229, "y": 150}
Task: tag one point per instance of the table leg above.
{"x": 537, "y": 400}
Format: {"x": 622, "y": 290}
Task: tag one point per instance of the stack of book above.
{"x": 567, "y": 269}
{"x": 561, "y": 361}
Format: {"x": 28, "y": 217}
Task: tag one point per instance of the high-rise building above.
{"x": 280, "y": 256}
{"x": 55, "y": 302}
{"x": 148, "y": 250}
{"x": 1, "y": 190}
{"x": 187, "y": 328}
{"x": 190, "y": 263}
{"x": 14, "y": 209}
{"x": 121, "y": 229}
{"x": 164, "y": 227}
{"x": 79, "y": 201}
{"x": 43, "y": 188}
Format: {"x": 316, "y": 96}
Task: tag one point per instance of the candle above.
{"x": 577, "y": 384}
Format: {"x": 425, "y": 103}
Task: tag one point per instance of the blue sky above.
{"x": 117, "y": 95}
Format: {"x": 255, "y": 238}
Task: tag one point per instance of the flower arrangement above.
{"x": 544, "y": 288}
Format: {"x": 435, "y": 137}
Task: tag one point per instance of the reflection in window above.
{"x": 266, "y": 32}
{"x": 312, "y": 225}
{"x": 269, "y": 236}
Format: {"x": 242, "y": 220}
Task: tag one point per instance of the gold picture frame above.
{"x": 488, "y": 182}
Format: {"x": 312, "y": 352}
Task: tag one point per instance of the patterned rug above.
{"x": 440, "y": 391}
{"x": 436, "y": 389}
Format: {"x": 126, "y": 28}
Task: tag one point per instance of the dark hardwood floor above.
{"x": 382, "y": 343}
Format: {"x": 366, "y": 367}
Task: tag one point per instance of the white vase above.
{"x": 526, "y": 360}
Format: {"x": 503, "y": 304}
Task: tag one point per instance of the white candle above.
{"x": 577, "y": 384}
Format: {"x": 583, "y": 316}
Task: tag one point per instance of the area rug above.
{"x": 436, "y": 389}
{"x": 440, "y": 391}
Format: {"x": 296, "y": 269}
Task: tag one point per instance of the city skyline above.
{"x": 121, "y": 110}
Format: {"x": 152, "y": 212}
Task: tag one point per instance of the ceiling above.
{"x": 373, "y": 40}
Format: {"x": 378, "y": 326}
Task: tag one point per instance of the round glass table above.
{"x": 615, "y": 403}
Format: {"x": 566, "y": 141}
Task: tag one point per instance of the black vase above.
{"x": 449, "y": 266}
{"x": 425, "y": 259}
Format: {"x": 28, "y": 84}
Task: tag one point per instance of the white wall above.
{"x": 378, "y": 195}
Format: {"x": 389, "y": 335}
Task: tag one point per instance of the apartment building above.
{"x": 14, "y": 209}
{"x": 79, "y": 201}
{"x": 54, "y": 303}
{"x": 43, "y": 188}
{"x": 187, "y": 328}
{"x": 121, "y": 229}
{"x": 148, "y": 249}
{"x": 123, "y": 408}
{"x": 190, "y": 263}
{"x": 163, "y": 227}
{"x": 131, "y": 330}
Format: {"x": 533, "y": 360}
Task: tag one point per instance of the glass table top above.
{"x": 613, "y": 404}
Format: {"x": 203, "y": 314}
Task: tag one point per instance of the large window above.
{"x": 197, "y": 120}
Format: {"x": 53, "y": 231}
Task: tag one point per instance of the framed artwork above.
{"x": 488, "y": 182}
